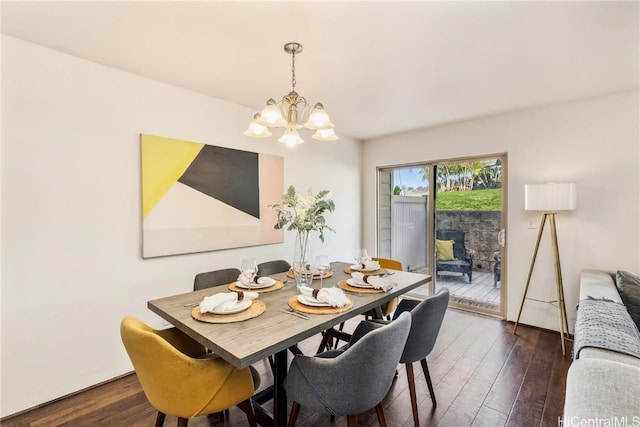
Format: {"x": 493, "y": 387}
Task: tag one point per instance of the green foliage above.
{"x": 467, "y": 175}
{"x": 303, "y": 213}
{"x": 397, "y": 190}
{"x": 478, "y": 200}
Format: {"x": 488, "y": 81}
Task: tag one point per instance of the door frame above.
{"x": 431, "y": 223}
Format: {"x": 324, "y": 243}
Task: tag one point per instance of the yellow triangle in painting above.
{"x": 164, "y": 160}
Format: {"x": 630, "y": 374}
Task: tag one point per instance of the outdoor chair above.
{"x": 452, "y": 254}
{"x": 497, "y": 268}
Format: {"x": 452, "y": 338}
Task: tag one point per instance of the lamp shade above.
{"x": 318, "y": 119}
{"x": 291, "y": 137}
{"x": 325, "y": 135}
{"x": 550, "y": 197}
{"x": 257, "y": 130}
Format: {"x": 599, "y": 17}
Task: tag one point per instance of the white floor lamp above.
{"x": 549, "y": 198}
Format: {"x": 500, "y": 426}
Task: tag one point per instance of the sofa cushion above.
{"x": 629, "y": 287}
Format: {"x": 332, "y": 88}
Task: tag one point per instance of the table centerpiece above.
{"x": 303, "y": 215}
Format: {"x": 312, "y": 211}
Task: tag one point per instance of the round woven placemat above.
{"x": 255, "y": 310}
{"x": 297, "y": 305}
{"x": 377, "y": 272}
{"x": 274, "y": 287}
{"x": 315, "y": 276}
{"x": 347, "y": 287}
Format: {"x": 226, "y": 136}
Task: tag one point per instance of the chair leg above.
{"x": 160, "y": 419}
{"x": 412, "y": 393}
{"x": 294, "y": 349}
{"x": 247, "y": 407}
{"x": 295, "y": 409}
{"x": 183, "y": 422}
{"x": 352, "y": 420}
{"x": 380, "y": 414}
{"x": 327, "y": 340}
{"x": 425, "y": 369}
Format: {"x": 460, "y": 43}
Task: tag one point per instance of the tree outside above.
{"x": 472, "y": 185}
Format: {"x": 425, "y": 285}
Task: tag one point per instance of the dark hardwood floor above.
{"x": 483, "y": 376}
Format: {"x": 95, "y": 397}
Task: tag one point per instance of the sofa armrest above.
{"x": 598, "y": 284}
{"x": 601, "y": 389}
{"x": 469, "y": 254}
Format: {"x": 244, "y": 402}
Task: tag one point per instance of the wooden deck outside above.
{"x": 479, "y": 293}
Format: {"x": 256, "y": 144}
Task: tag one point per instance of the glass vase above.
{"x": 303, "y": 259}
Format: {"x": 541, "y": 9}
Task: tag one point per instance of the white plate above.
{"x": 352, "y": 282}
{"x": 356, "y": 267}
{"x": 306, "y": 300}
{"x": 237, "y": 308}
{"x": 268, "y": 281}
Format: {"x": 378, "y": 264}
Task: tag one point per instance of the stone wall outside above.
{"x": 481, "y": 233}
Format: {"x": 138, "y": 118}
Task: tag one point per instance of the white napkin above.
{"x": 224, "y": 301}
{"x": 370, "y": 265}
{"x": 335, "y": 297}
{"x": 261, "y": 280}
{"x": 376, "y": 281}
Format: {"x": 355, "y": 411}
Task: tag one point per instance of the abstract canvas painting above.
{"x": 198, "y": 197}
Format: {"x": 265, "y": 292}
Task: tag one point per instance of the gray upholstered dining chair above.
{"x": 273, "y": 267}
{"x": 215, "y": 278}
{"x": 427, "y": 317}
{"x": 355, "y": 380}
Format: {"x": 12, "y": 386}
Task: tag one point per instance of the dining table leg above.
{"x": 279, "y": 393}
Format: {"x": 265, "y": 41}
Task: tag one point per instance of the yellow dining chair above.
{"x": 178, "y": 384}
{"x": 389, "y": 307}
{"x": 387, "y": 310}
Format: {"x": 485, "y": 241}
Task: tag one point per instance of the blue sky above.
{"x": 409, "y": 177}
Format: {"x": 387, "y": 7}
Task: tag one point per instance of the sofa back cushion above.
{"x": 629, "y": 288}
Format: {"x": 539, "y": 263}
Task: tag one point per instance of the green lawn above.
{"x": 478, "y": 200}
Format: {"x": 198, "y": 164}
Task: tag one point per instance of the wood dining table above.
{"x": 273, "y": 332}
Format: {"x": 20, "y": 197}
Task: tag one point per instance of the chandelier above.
{"x": 292, "y": 113}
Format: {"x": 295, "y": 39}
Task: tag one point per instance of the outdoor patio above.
{"x": 479, "y": 293}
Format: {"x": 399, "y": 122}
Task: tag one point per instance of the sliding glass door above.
{"x": 446, "y": 219}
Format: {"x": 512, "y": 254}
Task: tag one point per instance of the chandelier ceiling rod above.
{"x": 297, "y": 111}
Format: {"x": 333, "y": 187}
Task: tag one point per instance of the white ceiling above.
{"x": 378, "y": 67}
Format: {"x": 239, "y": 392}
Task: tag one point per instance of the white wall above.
{"x": 594, "y": 142}
{"x": 71, "y": 229}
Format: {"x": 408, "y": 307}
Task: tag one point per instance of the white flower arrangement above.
{"x": 304, "y": 213}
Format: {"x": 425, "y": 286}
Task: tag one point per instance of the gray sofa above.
{"x": 603, "y": 382}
